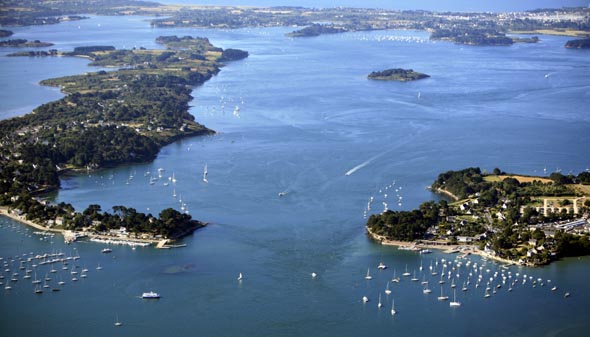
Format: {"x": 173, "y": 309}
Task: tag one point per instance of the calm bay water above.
{"x": 307, "y": 116}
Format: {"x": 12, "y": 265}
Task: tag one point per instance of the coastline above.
{"x": 445, "y": 248}
{"x": 158, "y": 243}
{"x": 4, "y": 212}
{"x": 447, "y": 193}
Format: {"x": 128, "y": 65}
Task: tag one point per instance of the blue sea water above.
{"x": 306, "y": 116}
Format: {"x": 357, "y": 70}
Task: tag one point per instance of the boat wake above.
{"x": 365, "y": 163}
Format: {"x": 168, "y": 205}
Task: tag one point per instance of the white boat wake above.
{"x": 365, "y": 163}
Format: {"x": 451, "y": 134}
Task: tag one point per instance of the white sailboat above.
{"x": 442, "y": 297}
{"x": 205, "y": 174}
{"x": 379, "y": 304}
{"x": 454, "y": 303}
{"x": 368, "y": 276}
{"x": 426, "y": 290}
{"x": 117, "y": 322}
{"x": 393, "y": 312}
{"x": 395, "y": 278}
{"x": 407, "y": 273}
{"x": 387, "y": 291}
{"x": 240, "y": 277}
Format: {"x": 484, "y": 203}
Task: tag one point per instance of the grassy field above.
{"x": 564, "y": 32}
{"x": 521, "y": 179}
{"x": 584, "y": 189}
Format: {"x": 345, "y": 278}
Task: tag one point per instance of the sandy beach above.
{"x": 4, "y": 212}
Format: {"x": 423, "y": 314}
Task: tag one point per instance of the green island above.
{"x": 22, "y": 43}
{"x": 578, "y": 44}
{"x": 107, "y": 119}
{"x": 398, "y": 74}
{"x": 513, "y": 218}
{"x": 317, "y": 30}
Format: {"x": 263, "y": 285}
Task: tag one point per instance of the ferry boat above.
{"x": 150, "y": 295}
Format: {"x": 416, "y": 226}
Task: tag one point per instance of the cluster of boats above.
{"x": 385, "y": 197}
{"x": 121, "y": 242}
{"x": 458, "y": 276}
{"x": 55, "y": 266}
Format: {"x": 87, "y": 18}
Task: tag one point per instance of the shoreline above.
{"x": 447, "y": 193}
{"x": 158, "y": 243}
{"x": 464, "y": 249}
{"x": 4, "y": 212}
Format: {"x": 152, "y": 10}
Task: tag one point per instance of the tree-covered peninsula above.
{"x": 22, "y": 43}
{"x": 526, "y": 220}
{"x": 106, "y": 118}
{"x": 5, "y": 33}
{"x": 317, "y": 30}
{"x": 578, "y": 44}
{"x": 398, "y": 74}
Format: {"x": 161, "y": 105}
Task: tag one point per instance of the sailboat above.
{"x": 487, "y": 294}
{"x": 442, "y": 297}
{"x": 240, "y": 277}
{"x": 464, "y": 286}
{"x": 205, "y": 174}
{"x": 393, "y": 312}
{"x": 395, "y": 278}
{"x": 407, "y": 273}
{"x": 379, "y": 304}
{"x": 368, "y": 276}
{"x": 387, "y": 291}
{"x": 454, "y": 303}
{"x": 426, "y": 290}
{"x": 117, "y": 322}
{"x": 414, "y": 278}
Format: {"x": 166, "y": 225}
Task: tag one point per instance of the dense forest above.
{"x": 578, "y": 44}
{"x": 406, "y": 225}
